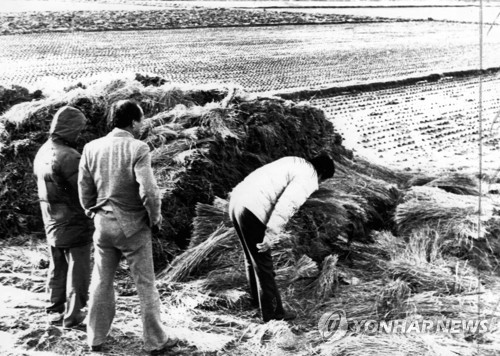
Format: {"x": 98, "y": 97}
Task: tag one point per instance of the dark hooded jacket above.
{"x": 56, "y": 170}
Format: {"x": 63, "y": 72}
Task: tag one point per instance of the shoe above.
{"x": 96, "y": 348}
{"x": 286, "y": 315}
{"x": 55, "y": 319}
{"x": 81, "y": 327}
{"x": 166, "y": 347}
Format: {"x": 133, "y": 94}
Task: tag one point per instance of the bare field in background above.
{"x": 430, "y": 124}
{"x": 257, "y": 58}
{"x": 438, "y": 13}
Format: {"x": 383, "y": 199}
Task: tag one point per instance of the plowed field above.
{"x": 430, "y": 124}
{"x": 259, "y": 59}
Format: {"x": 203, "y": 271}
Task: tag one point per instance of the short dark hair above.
{"x": 123, "y": 112}
{"x": 324, "y": 166}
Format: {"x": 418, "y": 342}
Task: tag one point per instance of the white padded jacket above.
{"x": 274, "y": 192}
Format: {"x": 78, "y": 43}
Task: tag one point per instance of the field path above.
{"x": 259, "y": 59}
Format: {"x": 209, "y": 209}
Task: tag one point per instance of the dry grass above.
{"x": 391, "y": 302}
{"x": 453, "y": 216}
{"x": 456, "y": 183}
{"x": 194, "y": 259}
{"x": 399, "y": 345}
{"x": 208, "y": 218}
{"x": 328, "y": 278}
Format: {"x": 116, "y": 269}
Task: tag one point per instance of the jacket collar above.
{"x": 116, "y": 132}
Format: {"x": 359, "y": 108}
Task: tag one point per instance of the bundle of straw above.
{"x": 389, "y": 344}
{"x": 328, "y": 278}
{"x": 224, "y": 278}
{"x": 218, "y": 119}
{"x": 194, "y": 259}
{"x": 453, "y": 216}
{"x": 208, "y": 218}
{"x": 305, "y": 268}
{"x": 457, "y": 183}
{"x": 391, "y": 302}
{"x": 431, "y": 304}
{"x": 164, "y": 155}
{"x": 420, "y": 180}
{"x": 430, "y": 277}
{"x": 358, "y": 301}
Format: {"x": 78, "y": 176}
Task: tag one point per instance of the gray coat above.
{"x": 115, "y": 170}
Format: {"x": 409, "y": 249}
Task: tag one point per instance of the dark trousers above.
{"x": 258, "y": 265}
{"x": 68, "y": 282}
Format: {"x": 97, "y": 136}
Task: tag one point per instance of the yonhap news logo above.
{"x": 333, "y": 326}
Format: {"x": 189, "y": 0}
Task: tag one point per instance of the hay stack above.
{"x": 24, "y": 128}
{"x": 346, "y": 207}
{"x": 232, "y": 138}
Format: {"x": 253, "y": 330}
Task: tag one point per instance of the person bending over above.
{"x": 259, "y": 207}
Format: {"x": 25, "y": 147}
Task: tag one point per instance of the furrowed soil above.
{"x": 259, "y": 59}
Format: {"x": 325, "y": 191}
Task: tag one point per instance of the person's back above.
{"x": 262, "y": 189}
{"x": 68, "y": 230}
{"x": 117, "y": 169}
{"x": 117, "y": 187}
{"x": 111, "y": 159}
{"x": 259, "y": 207}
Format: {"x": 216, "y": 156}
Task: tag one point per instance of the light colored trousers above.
{"x": 110, "y": 244}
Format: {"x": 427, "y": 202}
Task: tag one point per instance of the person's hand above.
{"x": 264, "y": 246}
{"x": 270, "y": 239}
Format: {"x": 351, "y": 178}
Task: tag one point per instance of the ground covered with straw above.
{"x": 378, "y": 244}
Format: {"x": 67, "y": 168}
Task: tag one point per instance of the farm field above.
{"x": 396, "y": 235}
{"x": 259, "y": 59}
{"x": 16, "y": 6}
{"x": 438, "y": 13}
{"x": 434, "y": 125}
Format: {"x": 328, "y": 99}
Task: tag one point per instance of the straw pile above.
{"x": 345, "y": 208}
{"x": 203, "y": 152}
{"x": 16, "y": 95}
{"x": 24, "y": 128}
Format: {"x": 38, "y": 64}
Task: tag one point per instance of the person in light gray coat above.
{"x": 118, "y": 189}
{"x": 68, "y": 229}
{"x": 259, "y": 207}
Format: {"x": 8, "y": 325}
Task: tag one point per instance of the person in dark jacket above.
{"x": 69, "y": 231}
{"x": 259, "y": 207}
